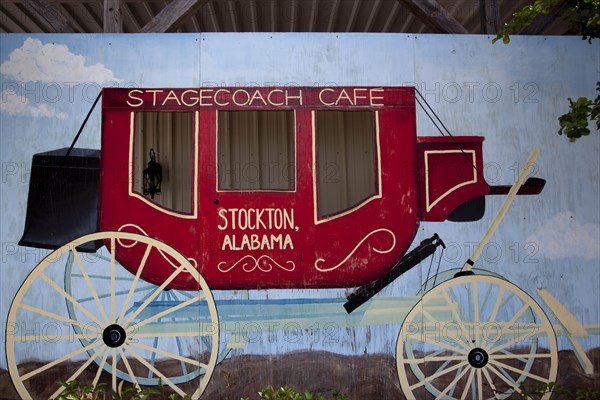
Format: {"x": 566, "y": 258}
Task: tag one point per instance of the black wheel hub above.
{"x": 114, "y": 335}
{"x": 478, "y": 358}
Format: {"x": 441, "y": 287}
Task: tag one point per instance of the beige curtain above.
{"x": 345, "y": 158}
{"x": 256, "y": 150}
{"x": 171, "y": 135}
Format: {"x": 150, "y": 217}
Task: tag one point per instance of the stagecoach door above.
{"x": 256, "y": 178}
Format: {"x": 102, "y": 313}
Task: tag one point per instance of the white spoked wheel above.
{"x": 475, "y": 337}
{"x": 114, "y": 327}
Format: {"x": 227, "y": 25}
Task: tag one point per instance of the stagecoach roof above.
{"x": 148, "y": 16}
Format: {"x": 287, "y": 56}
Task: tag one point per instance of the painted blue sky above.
{"x": 511, "y": 94}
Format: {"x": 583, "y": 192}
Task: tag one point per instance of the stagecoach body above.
{"x": 265, "y": 187}
{"x": 295, "y": 187}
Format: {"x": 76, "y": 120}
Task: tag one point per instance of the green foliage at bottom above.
{"x": 287, "y": 393}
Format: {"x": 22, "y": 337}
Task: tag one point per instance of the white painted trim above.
{"x": 319, "y": 260}
{"x": 152, "y": 204}
{"x": 217, "y": 190}
{"x": 358, "y": 206}
{"x": 430, "y": 205}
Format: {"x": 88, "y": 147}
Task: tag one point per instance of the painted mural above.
{"x": 392, "y": 216}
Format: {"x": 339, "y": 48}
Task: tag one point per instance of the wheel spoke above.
{"x": 479, "y": 384}
{"x": 77, "y": 258}
{"x": 113, "y": 300}
{"x": 512, "y": 385}
{"x": 38, "y": 337}
{"x": 100, "y": 367}
{"x": 134, "y": 283}
{"x": 155, "y": 294}
{"x": 476, "y": 311}
{"x": 57, "y": 317}
{"x": 114, "y": 370}
{"x": 129, "y": 369}
{"x": 508, "y": 343}
{"x": 117, "y": 293}
{"x": 519, "y": 357}
{"x": 437, "y": 375}
{"x": 519, "y": 371}
{"x": 435, "y": 359}
{"x": 165, "y": 312}
{"x": 79, "y": 371}
{"x": 438, "y": 343}
{"x": 452, "y": 384}
{"x": 490, "y": 382}
{"x": 60, "y": 360}
{"x": 70, "y": 298}
{"x": 163, "y": 378}
{"x": 463, "y": 396}
{"x": 497, "y": 304}
{"x": 457, "y": 319}
{"x": 168, "y": 354}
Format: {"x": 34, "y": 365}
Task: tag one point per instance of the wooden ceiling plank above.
{"x": 196, "y": 24}
{"x": 253, "y": 16}
{"x": 7, "y": 19}
{"x": 333, "y": 15}
{"x": 172, "y": 15}
{"x": 130, "y": 17}
{"x": 409, "y": 19}
{"x": 273, "y": 15}
{"x": 89, "y": 16}
{"x": 113, "y": 16}
{"x": 293, "y": 15}
{"x": 372, "y": 15}
{"x": 232, "y": 14}
{"x": 353, "y": 15}
{"x": 48, "y": 15}
{"x": 391, "y": 18}
{"x": 431, "y": 13}
{"x": 489, "y": 11}
{"x": 210, "y": 9}
{"x": 72, "y": 21}
{"x": 312, "y": 21}
{"x": 28, "y": 22}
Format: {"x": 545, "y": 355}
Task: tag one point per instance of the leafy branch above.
{"x": 584, "y": 19}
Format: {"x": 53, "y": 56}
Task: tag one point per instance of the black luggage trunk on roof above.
{"x": 62, "y": 204}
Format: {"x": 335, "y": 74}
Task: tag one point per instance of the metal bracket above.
{"x": 362, "y": 294}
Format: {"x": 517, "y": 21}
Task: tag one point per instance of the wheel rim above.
{"x": 115, "y": 327}
{"x": 475, "y": 337}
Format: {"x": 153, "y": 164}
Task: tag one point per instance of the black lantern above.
{"x": 152, "y": 176}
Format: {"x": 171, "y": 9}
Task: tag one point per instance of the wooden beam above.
{"x": 113, "y": 16}
{"x": 173, "y": 15}
{"x": 434, "y": 15}
{"x": 50, "y": 17}
{"x": 489, "y": 12}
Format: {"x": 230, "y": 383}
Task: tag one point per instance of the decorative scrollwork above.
{"x": 384, "y": 251}
{"x": 263, "y": 263}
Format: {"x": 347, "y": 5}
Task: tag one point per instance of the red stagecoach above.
{"x": 224, "y": 188}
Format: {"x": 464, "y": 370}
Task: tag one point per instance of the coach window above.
{"x": 171, "y": 136}
{"x": 346, "y": 160}
{"x": 256, "y": 150}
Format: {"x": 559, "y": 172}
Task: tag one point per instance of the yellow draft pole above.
{"x": 503, "y": 210}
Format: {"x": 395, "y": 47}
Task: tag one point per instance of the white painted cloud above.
{"x": 564, "y": 237}
{"x": 13, "y": 104}
{"x": 37, "y": 62}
